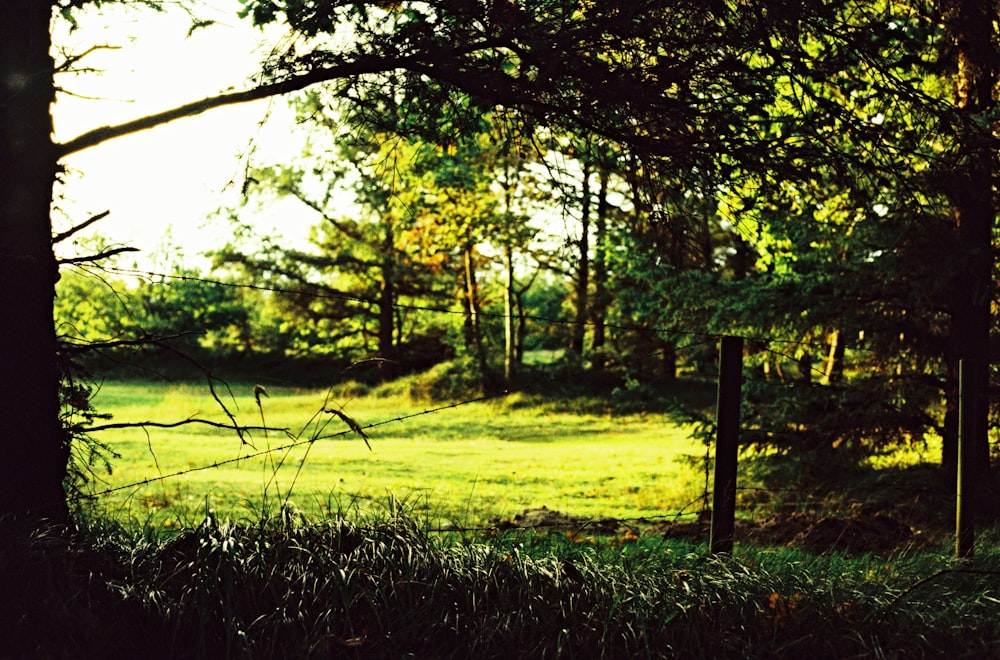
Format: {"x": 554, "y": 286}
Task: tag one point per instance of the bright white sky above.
{"x": 163, "y": 185}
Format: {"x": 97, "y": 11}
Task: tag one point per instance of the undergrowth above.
{"x": 387, "y": 587}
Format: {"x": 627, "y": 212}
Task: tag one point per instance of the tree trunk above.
{"x": 834, "y": 372}
{"x": 522, "y": 327}
{"x": 509, "y": 314}
{"x": 668, "y": 361}
{"x": 805, "y": 363}
{"x": 387, "y": 305}
{"x": 35, "y": 450}
{"x": 970, "y": 24}
{"x": 473, "y": 322}
{"x": 602, "y": 298}
{"x": 582, "y": 284}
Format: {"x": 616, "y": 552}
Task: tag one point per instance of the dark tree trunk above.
{"x": 602, "y": 298}
{"x": 509, "y": 309}
{"x": 387, "y": 328}
{"x": 582, "y": 284}
{"x": 387, "y": 304}
{"x": 35, "y": 452}
{"x": 668, "y": 361}
{"x": 970, "y": 24}
{"x": 473, "y": 318}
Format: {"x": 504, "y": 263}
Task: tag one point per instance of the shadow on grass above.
{"x": 828, "y": 501}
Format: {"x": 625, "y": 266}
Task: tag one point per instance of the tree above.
{"x": 513, "y": 232}
{"x": 970, "y": 28}
{"x": 89, "y": 308}
{"x": 32, "y": 475}
{"x": 347, "y": 292}
{"x": 453, "y": 206}
{"x": 195, "y": 314}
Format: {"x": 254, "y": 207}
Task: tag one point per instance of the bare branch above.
{"x": 296, "y": 191}
{"x": 145, "y": 340}
{"x": 80, "y": 227}
{"x": 173, "y": 425}
{"x": 373, "y": 64}
{"x": 97, "y": 257}
{"x": 85, "y": 97}
{"x": 64, "y": 66}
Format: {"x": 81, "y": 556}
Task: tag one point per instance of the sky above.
{"x": 163, "y": 186}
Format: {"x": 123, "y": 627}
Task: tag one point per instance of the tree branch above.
{"x": 296, "y": 192}
{"x": 91, "y": 258}
{"x": 172, "y": 425}
{"x": 80, "y": 227}
{"x": 70, "y": 60}
{"x": 376, "y": 64}
{"x": 145, "y": 340}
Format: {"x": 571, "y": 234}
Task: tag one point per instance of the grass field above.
{"x": 461, "y": 466}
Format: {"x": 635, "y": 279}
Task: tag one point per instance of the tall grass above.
{"x": 385, "y": 587}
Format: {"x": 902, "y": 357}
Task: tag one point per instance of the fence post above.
{"x": 968, "y": 405}
{"x": 727, "y": 434}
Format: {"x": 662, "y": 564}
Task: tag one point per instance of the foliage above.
{"x": 90, "y": 458}
{"x": 182, "y": 306}
{"x": 88, "y": 307}
{"x": 860, "y": 418}
{"x": 183, "y": 303}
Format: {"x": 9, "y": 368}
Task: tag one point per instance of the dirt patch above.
{"x": 857, "y": 533}
{"x": 860, "y": 532}
{"x": 543, "y": 517}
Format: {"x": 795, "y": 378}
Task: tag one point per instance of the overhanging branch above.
{"x": 100, "y": 256}
{"x": 185, "y": 422}
{"x": 367, "y": 65}
{"x": 80, "y": 227}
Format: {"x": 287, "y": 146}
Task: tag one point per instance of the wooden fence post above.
{"x": 727, "y": 435}
{"x": 968, "y": 407}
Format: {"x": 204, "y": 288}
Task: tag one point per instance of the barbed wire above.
{"x": 573, "y": 524}
{"x": 285, "y": 447}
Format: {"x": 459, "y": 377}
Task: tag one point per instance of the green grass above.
{"x": 463, "y": 466}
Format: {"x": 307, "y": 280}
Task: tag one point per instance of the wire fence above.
{"x": 693, "y": 341}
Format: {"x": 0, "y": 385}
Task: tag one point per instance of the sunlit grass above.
{"x": 462, "y": 465}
